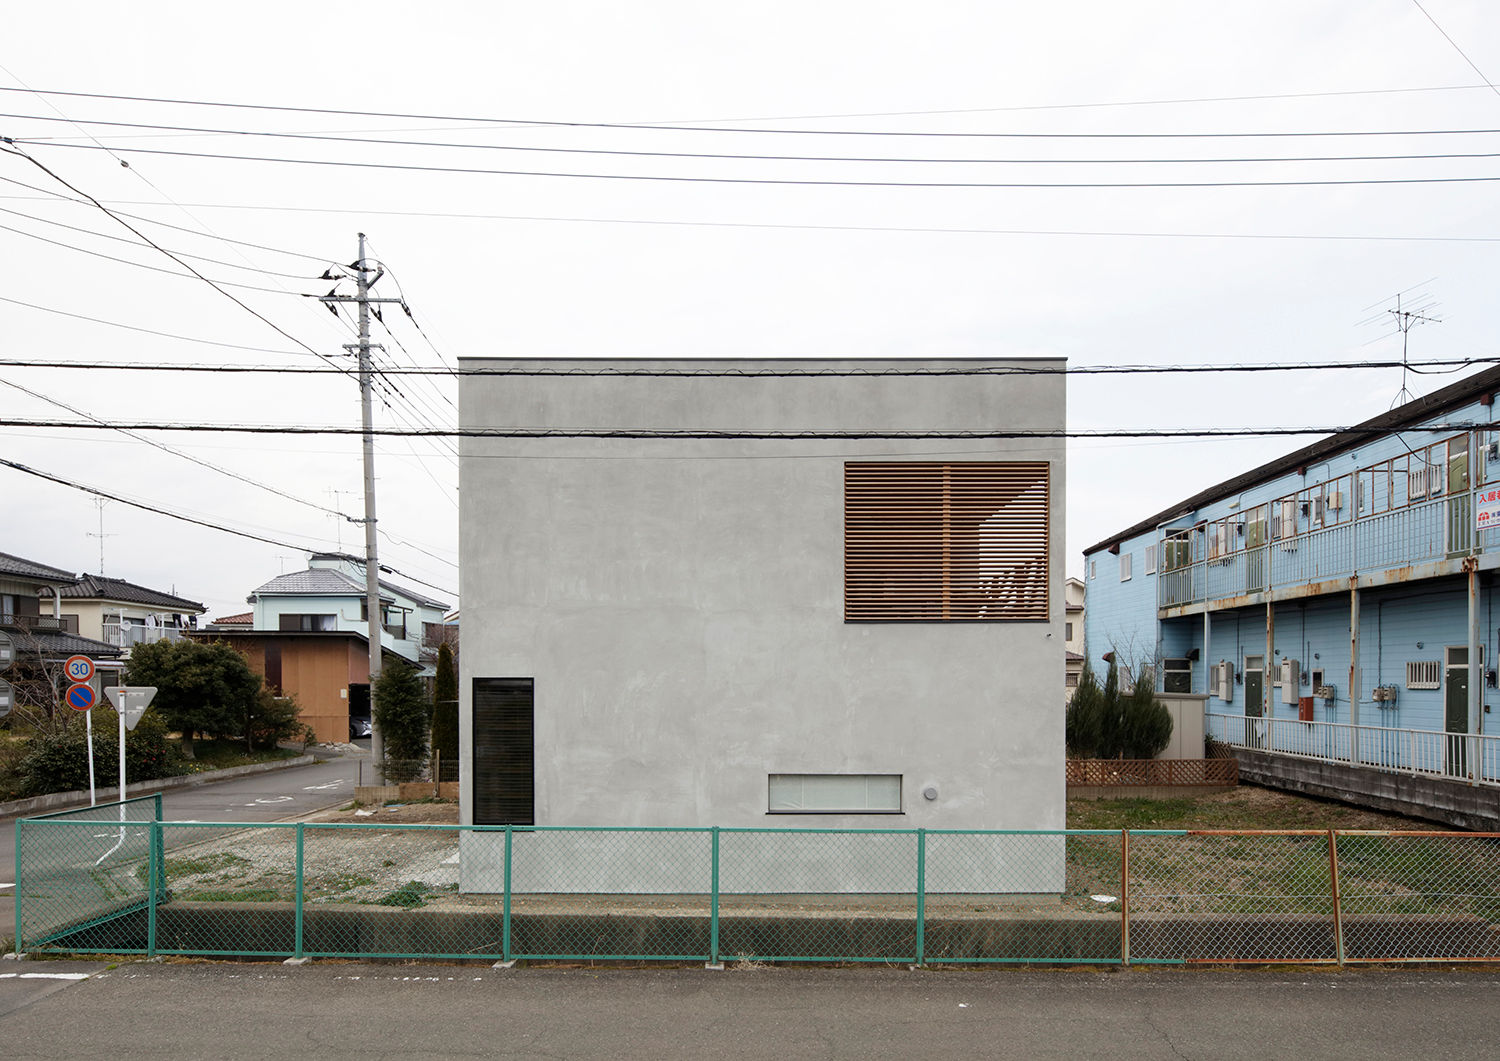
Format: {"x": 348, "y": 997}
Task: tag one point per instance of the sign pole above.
{"x": 88, "y": 732}
{"x": 120, "y": 714}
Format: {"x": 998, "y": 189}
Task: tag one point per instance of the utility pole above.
{"x": 361, "y": 271}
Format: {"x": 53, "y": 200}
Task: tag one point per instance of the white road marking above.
{"x": 274, "y": 799}
{"x": 6, "y": 884}
{"x": 45, "y": 976}
{"x": 319, "y": 788}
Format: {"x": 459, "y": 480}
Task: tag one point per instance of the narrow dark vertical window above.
{"x": 504, "y": 773}
{"x": 959, "y": 541}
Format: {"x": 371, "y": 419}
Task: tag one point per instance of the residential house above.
{"x": 31, "y": 616}
{"x": 1074, "y": 594}
{"x": 307, "y": 634}
{"x": 125, "y": 614}
{"x": 763, "y": 593}
{"x": 1336, "y": 603}
{"x": 330, "y": 596}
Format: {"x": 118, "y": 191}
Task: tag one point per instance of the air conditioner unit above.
{"x": 1385, "y": 694}
{"x": 1325, "y": 692}
{"x": 1289, "y": 679}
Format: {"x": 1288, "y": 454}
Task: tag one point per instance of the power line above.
{"x": 161, "y": 334}
{"x": 175, "y": 452}
{"x": 195, "y": 275}
{"x": 133, "y": 243}
{"x": 670, "y": 127}
{"x": 11, "y": 149}
{"x": 704, "y": 434}
{"x": 1437, "y": 365}
{"x": 726, "y": 156}
{"x": 97, "y": 492}
{"x": 775, "y": 181}
{"x": 59, "y": 196}
{"x": 907, "y": 229}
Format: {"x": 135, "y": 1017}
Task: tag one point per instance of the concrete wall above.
{"x": 1452, "y": 803}
{"x": 679, "y": 603}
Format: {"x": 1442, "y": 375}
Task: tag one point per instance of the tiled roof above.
{"x": 117, "y": 589}
{"x": 23, "y": 568}
{"x": 323, "y": 581}
{"x": 319, "y": 581}
{"x": 242, "y": 619}
{"x": 56, "y": 644}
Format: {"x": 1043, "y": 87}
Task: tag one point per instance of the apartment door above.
{"x": 1257, "y": 553}
{"x": 1255, "y": 689}
{"x": 1456, "y": 710}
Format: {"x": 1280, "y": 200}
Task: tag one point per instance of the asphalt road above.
{"x": 272, "y": 796}
{"x": 336, "y": 1010}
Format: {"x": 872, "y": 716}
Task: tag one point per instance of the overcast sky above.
{"x": 730, "y": 264}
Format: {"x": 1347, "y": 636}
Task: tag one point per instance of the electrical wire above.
{"x": 669, "y": 127}
{"x": 727, "y": 156}
{"x": 1436, "y": 365}
{"x": 163, "y": 335}
{"x": 195, "y": 275}
{"x": 777, "y": 181}
{"x": 900, "y": 229}
{"x": 176, "y": 452}
{"x": 705, "y": 434}
{"x": 12, "y": 150}
{"x": 121, "y": 239}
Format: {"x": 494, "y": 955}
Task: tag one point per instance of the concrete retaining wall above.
{"x": 1453, "y": 803}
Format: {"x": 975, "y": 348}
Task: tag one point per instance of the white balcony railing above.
{"x": 1430, "y": 530}
{"x": 1468, "y": 757}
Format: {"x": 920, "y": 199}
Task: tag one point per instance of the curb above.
{"x": 61, "y": 800}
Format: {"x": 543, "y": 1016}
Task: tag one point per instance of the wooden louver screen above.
{"x": 960, "y": 541}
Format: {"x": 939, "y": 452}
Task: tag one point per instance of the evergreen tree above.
{"x": 404, "y": 718}
{"x": 202, "y": 687}
{"x": 445, "y": 709}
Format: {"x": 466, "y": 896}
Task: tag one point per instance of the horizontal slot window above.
{"x": 835, "y": 794}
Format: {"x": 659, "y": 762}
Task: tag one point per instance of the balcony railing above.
{"x": 1430, "y": 530}
{"x": 1470, "y": 757}
{"x": 127, "y": 636}
{"x": 31, "y": 622}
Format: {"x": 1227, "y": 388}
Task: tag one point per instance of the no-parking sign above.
{"x": 80, "y": 697}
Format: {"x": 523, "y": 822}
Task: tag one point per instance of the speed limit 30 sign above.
{"x": 79, "y": 669}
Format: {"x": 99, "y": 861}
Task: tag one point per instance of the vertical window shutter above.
{"x": 504, "y": 776}
{"x": 960, "y": 541}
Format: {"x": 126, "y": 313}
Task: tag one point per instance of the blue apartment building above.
{"x": 1337, "y": 603}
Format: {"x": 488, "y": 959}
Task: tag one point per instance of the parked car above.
{"x": 358, "y": 727}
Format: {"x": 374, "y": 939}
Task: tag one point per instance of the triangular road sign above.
{"x": 136, "y": 699}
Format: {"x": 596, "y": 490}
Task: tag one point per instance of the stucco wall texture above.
{"x": 679, "y": 603}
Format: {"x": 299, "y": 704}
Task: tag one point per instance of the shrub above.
{"x": 1085, "y": 716}
{"x": 274, "y": 718}
{"x": 58, "y": 762}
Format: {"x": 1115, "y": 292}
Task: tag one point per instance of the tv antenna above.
{"x": 1406, "y": 315}
{"x": 99, "y": 503}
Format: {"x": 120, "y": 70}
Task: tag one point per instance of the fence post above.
{"x": 1124, "y": 896}
{"x": 20, "y": 883}
{"x": 153, "y": 876}
{"x": 298, "y": 928}
{"x": 1333, "y": 876}
{"x": 921, "y": 895}
{"x": 713, "y": 910}
{"x": 505, "y": 917}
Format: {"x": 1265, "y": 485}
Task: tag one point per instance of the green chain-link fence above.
{"x": 116, "y": 879}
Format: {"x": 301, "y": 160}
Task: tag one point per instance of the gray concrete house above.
{"x": 762, "y": 593}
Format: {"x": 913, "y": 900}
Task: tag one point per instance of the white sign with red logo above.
{"x": 1487, "y": 508}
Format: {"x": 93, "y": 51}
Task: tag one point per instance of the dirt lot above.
{"x": 1246, "y": 807}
